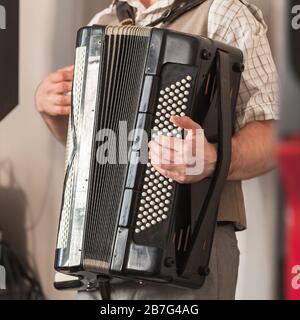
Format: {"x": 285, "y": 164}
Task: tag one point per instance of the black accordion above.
{"x": 125, "y": 220}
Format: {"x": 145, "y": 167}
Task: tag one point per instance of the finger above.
{"x": 62, "y": 87}
{"x": 167, "y": 165}
{"x": 61, "y": 110}
{"x": 166, "y": 156}
{"x": 170, "y": 143}
{"x": 60, "y": 100}
{"x": 61, "y": 76}
{"x": 167, "y": 174}
{"x": 55, "y": 111}
{"x": 185, "y": 123}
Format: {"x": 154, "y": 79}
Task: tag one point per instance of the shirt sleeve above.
{"x": 233, "y": 22}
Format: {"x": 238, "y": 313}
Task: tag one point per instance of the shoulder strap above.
{"x": 176, "y": 11}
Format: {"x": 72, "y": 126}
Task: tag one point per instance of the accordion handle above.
{"x": 202, "y": 237}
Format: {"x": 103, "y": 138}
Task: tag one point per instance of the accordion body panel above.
{"x": 125, "y": 220}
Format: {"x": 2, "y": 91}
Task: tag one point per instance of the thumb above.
{"x": 185, "y": 123}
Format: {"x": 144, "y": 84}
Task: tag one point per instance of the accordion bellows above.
{"x": 124, "y": 219}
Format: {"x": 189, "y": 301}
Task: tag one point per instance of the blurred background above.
{"x": 32, "y": 162}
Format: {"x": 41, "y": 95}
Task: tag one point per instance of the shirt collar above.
{"x": 141, "y": 10}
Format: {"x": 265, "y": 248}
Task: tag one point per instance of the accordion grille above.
{"x": 73, "y": 131}
{"x": 121, "y": 82}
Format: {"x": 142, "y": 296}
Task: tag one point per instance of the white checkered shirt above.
{"x": 241, "y": 25}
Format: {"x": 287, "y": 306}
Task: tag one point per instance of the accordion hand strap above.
{"x": 205, "y": 227}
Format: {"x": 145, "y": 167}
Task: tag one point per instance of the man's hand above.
{"x": 53, "y": 101}
{"x": 188, "y": 160}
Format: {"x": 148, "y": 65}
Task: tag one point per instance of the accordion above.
{"x": 125, "y": 220}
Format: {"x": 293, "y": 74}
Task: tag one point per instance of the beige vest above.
{"x": 232, "y": 206}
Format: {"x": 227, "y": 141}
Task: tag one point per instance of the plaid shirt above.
{"x": 241, "y": 25}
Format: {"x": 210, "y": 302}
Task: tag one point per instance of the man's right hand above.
{"x": 53, "y": 101}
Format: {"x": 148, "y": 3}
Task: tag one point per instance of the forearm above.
{"x": 253, "y": 151}
{"x": 58, "y": 127}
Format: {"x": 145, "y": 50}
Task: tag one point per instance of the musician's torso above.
{"x": 195, "y": 22}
